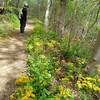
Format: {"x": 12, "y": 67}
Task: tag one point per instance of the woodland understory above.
{"x": 63, "y": 49}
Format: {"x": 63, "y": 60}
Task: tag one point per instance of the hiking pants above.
{"x": 22, "y": 25}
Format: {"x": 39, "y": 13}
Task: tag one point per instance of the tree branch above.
{"x": 97, "y": 15}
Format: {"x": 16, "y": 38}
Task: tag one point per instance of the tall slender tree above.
{"x": 62, "y": 16}
{"x": 47, "y": 13}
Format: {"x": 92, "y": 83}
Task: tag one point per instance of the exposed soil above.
{"x": 12, "y": 60}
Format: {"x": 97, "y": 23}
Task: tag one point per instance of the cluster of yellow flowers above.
{"x": 26, "y": 93}
{"x": 38, "y": 44}
{"x": 98, "y": 70}
{"x": 23, "y": 79}
{"x": 64, "y": 92}
{"x": 80, "y": 60}
{"x": 92, "y": 79}
{"x": 52, "y": 43}
{"x": 57, "y": 98}
{"x": 88, "y": 83}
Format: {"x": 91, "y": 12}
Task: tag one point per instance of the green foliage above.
{"x": 55, "y": 64}
{"x": 11, "y": 10}
{"x": 84, "y": 96}
{"x": 12, "y": 18}
{"x": 10, "y": 21}
{"x": 54, "y": 67}
{"x": 77, "y": 49}
{"x": 74, "y": 48}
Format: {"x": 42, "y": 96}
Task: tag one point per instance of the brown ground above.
{"x": 12, "y": 60}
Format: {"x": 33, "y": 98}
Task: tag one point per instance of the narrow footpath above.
{"x": 12, "y": 60}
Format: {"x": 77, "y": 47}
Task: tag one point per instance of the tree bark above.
{"x": 62, "y": 16}
{"x": 17, "y": 3}
{"x": 95, "y": 60}
{"x": 96, "y": 50}
{"x": 47, "y": 13}
{"x": 96, "y": 19}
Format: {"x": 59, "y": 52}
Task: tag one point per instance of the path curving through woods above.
{"x": 12, "y": 60}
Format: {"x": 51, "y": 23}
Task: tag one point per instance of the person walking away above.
{"x": 23, "y": 17}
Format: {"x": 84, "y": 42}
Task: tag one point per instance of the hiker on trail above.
{"x": 23, "y": 17}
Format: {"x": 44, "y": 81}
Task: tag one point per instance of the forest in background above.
{"x": 63, "y": 61}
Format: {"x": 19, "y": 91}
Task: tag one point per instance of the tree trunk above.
{"x": 17, "y": 3}
{"x": 95, "y": 60}
{"x": 47, "y": 13}
{"x": 62, "y": 16}
{"x": 96, "y": 51}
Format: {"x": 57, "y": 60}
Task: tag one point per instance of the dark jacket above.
{"x": 24, "y": 14}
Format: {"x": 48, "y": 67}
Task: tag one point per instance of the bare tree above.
{"x": 62, "y": 16}
{"x": 47, "y": 13}
{"x": 96, "y": 56}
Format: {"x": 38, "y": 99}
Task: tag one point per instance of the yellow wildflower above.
{"x": 88, "y": 83}
{"x": 25, "y": 98}
{"x": 53, "y": 41}
{"x": 65, "y": 92}
{"x": 98, "y": 70}
{"x": 50, "y": 45}
{"x": 61, "y": 90}
{"x": 80, "y": 60}
{"x": 98, "y": 80}
{"x": 28, "y": 88}
{"x": 56, "y": 98}
{"x": 12, "y": 97}
{"x": 90, "y": 79}
{"x": 38, "y": 44}
{"x": 23, "y": 78}
{"x": 29, "y": 94}
{"x": 97, "y": 88}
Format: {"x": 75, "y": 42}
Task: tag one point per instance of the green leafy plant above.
{"x": 54, "y": 69}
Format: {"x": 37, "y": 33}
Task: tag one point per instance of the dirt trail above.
{"x": 12, "y": 60}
